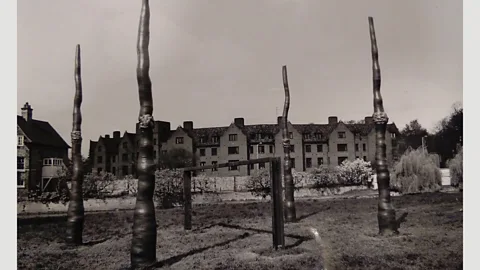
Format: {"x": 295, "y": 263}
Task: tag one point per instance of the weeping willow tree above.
{"x": 386, "y": 213}
{"x": 75, "y": 212}
{"x": 144, "y": 239}
{"x": 290, "y": 215}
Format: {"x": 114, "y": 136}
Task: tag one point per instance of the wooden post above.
{"x": 290, "y": 213}
{"x": 144, "y": 237}
{"x": 386, "y": 213}
{"x": 277, "y": 204}
{"x": 187, "y": 195}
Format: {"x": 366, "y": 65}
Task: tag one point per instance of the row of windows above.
{"x": 52, "y": 162}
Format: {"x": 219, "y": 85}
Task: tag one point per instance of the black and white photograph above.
{"x": 238, "y": 134}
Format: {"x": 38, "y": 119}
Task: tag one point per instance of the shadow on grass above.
{"x": 302, "y": 217}
{"x": 39, "y": 220}
{"x": 238, "y": 227}
{"x": 177, "y": 258}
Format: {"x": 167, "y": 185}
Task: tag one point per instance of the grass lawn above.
{"x": 238, "y": 236}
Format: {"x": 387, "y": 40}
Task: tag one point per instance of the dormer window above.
{"x": 203, "y": 140}
{"x": 215, "y": 139}
{"x": 20, "y": 140}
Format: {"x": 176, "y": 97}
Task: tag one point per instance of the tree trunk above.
{"x": 386, "y": 213}
{"x": 75, "y": 212}
{"x": 290, "y": 215}
{"x": 144, "y": 239}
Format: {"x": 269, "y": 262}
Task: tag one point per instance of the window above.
{"x": 214, "y": 163}
{"x": 341, "y": 135}
{"x": 308, "y": 148}
{"x": 99, "y": 148}
{"x": 203, "y": 140}
{"x": 233, "y": 150}
{"x": 20, "y": 140}
{"x": 201, "y": 165}
{"x": 215, "y": 139}
{"x": 202, "y": 152}
{"x": 214, "y": 151}
{"x": 392, "y": 135}
{"x": 179, "y": 140}
{"x": 365, "y": 158}
{"x": 48, "y": 162}
{"x": 317, "y": 136}
{"x": 341, "y": 159}
{"x": 271, "y": 148}
{"x": 99, "y": 159}
{"x": 113, "y": 158}
{"x": 154, "y": 154}
{"x": 154, "y": 141}
{"x": 292, "y": 161}
{"x": 261, "y": 149}
{"x": 319, "y": 148}
{"x": 232, "y": 137}
{"x": 233, "y": 168}
{"x": 356, "y": 147}
{"x": 320, "y": 161}
{"x": 364, "y": 147}
{"x": 133, "y": 156}
{"x": 125, "y": 145}
{"x": 124, "y": 157}
{"x": 125, "y": 170}
{"x": 261, "y": 165}
{"x": 251, "y": 166}
{"x": 307, "y": 136}
{"x": 292, "y": 148}
{"x": 357, "y": 157}
{"x": 290, "y": 135}
{"x": 250, "y": 149}
{"x": 308, "y": 162}
{"x": 20, "y": 179}
{"x": 20, "y": 163}
{"x": 114, "y": 171}
{"x": 342, "y": 147}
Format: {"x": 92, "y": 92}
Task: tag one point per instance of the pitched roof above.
{"x": 263, "y": 129}
{"x": 111, "y": 144}
{"x": 41, "y": 132}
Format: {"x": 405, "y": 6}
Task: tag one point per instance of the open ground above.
{"x": 238, "y": 236}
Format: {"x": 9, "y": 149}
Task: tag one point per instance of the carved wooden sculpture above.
{"x": 290, "y": 215}
{"x": 144, "y": 239}
{"x": 386, "y": 213}
{"x": 75, "y": 212}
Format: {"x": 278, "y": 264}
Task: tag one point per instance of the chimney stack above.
{"x": 116, "y": 134}
{"x": 188, "y": 125}
{"x": 332, "y": 120}
{"x": 107, "y": 136}
{"x": 280, "y": 121}
{"x": 368, "y": 120}
{"x": 239, "y": 122}
{"x": 27, "y": 112}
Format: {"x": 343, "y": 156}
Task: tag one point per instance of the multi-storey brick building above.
{"x": 311, "y": 144}
{"x": 41, "y": 153}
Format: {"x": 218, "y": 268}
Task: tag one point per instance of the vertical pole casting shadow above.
{"x": 187, "y": 193}
{"x": 386, "y": 213}
{"x": 144, "y": 238}
{"x": 277, "y": 204}
{"x": 75, "y": 212}
{"x": 290, "y": 215}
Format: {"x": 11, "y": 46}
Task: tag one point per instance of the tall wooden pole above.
{"x": 75, "y": 212}
{"x": 386, "y": 213}
{"x": 290, "y": 215}
{"x": 144, "y": 239}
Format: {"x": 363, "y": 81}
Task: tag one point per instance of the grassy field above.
{"x": 238, "y": 236}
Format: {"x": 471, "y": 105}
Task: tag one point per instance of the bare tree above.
{"x": 290, "y": 215}
{"x": 144, "y": 239}
{"x": 75, "y": 212}
{"x": 386, "y": 213}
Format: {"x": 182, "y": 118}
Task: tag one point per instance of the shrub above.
{"x": 354, "y": 173}
{"x": 205, "y": 182}
{"x": 131, "y": 185}
{"x": 98, "y": 186}
{"x": 455, "y": 166}
{"x": 302, "y": 179}
{"x": 416, "y": 171}
{"x": 168, "y": 188}
{"x": 325, "y": 176}
{"x": 258, "y": 183}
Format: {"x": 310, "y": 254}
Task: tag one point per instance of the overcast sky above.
{"x": 212, "y": 61}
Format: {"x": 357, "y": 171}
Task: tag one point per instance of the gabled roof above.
{"x": 41, "y": 132}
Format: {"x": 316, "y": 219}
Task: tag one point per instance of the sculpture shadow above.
{"x": 177, "y": 258}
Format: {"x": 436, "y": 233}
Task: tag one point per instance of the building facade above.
{"x": 41, "y": 153}
{"x": 312, "y": 145}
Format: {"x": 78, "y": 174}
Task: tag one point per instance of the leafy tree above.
{"x": 448, "y": 137}
{"x": 411, "y": 136}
